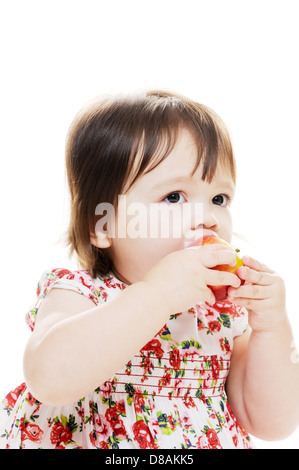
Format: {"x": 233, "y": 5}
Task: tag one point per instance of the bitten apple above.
{"x": 220, "y": 292}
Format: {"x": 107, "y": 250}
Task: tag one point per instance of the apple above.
{"x": 220, "y": 292}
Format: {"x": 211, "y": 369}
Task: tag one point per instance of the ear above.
{"x": 100, "y": 240}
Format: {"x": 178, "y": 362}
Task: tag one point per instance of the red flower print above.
{"x": 185, "y": 366}
{"x": 147, "y": 365}
{"x": 175, "y": 359}
{"x": 138, "y": 401}
{"x": 104, "y": 445}
{"x": 129, "y": 368}
{"x": 70, "y": 277}
{"x": 93, "y": 438}
{"x": 31, "y": 400}
{"x": 201, "y": 443}
{"x": 31, "y": 431}
{"x": 60, "y": 272}
{"x": 154, "y": 346}
{"x": 106, "y": 389}
{"x": 188, "y": 401}
{"x": 164, "y": 327}
{"x": 12, "y": 397}
{"x": 233, "y": 309}
{"x": 171, "y": 422}
{"x": 103, "y": 293}
{"x": 215, "y": 367}
{"x": 115, "y": 422}
{"x": 101, "y": 426}
{"x": 213, "y": 439}
{"x": 214, "y": 326}
{"x": 165, "y": 380}
{"x": 143, "y": 436}
{"x": 81, "y": 413}
{"x": 224, "y": 344}
{"x": 120, "y": 406}
{"x": 200, "y": 325}
{"x": 84, "y": 283}
{"x": 110, "y": 283}
{"x": 60, "y": 434}
{"x": 203, "y": 398}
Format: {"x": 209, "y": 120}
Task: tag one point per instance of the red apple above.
{"x": 220, "y": 292}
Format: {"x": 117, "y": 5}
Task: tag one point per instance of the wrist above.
{"x": 268, "y": 320}
{"x": 277, "y": 327}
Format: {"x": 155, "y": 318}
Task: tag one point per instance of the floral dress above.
{"x": 170, "y": 395}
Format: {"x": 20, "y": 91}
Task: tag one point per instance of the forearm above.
{"x": 79, "y": 353}
{"x": 271, "y": 383}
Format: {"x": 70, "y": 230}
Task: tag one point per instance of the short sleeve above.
{"x": 78, "y": 281}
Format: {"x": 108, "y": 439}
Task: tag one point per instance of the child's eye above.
{"x": 221, "y": 200}
{"x": 174, "y": 198}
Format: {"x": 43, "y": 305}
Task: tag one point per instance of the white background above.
{"x": 239, "y": 57}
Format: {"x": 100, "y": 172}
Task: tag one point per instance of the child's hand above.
{"x": 263, "y": 294}
{"x": 181, "y": 278}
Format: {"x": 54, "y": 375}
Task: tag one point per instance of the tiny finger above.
{"x": 254, "y": 277}
{"x": 254, "y": 264}
{"x": 218, "y": 257}
{"x": 223, "y": 278}
{"x": 249, "y": 291}
{"x": 251, "y": 304}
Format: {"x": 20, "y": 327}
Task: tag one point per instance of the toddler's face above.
{"x": 167, "y": 209}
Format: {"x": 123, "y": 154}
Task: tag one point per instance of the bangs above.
{"x": 159, "y": 134}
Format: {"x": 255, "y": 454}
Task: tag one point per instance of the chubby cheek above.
{"x": 155, "y": 250}
{"x": 225, "y": 225}
{"x": 132, "y": 259}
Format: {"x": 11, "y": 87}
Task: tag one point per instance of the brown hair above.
{"x": 101, "y": 151}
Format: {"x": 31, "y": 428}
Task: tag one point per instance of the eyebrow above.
{"x": 172, "y": 181}
{"x": 226, "y": 185}
{"x": 176, "y": 180}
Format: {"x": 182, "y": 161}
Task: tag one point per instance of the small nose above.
{"x": 210, "y": 220}
{"x": 206, "y": 218}
{"x": 203, "y": 218}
